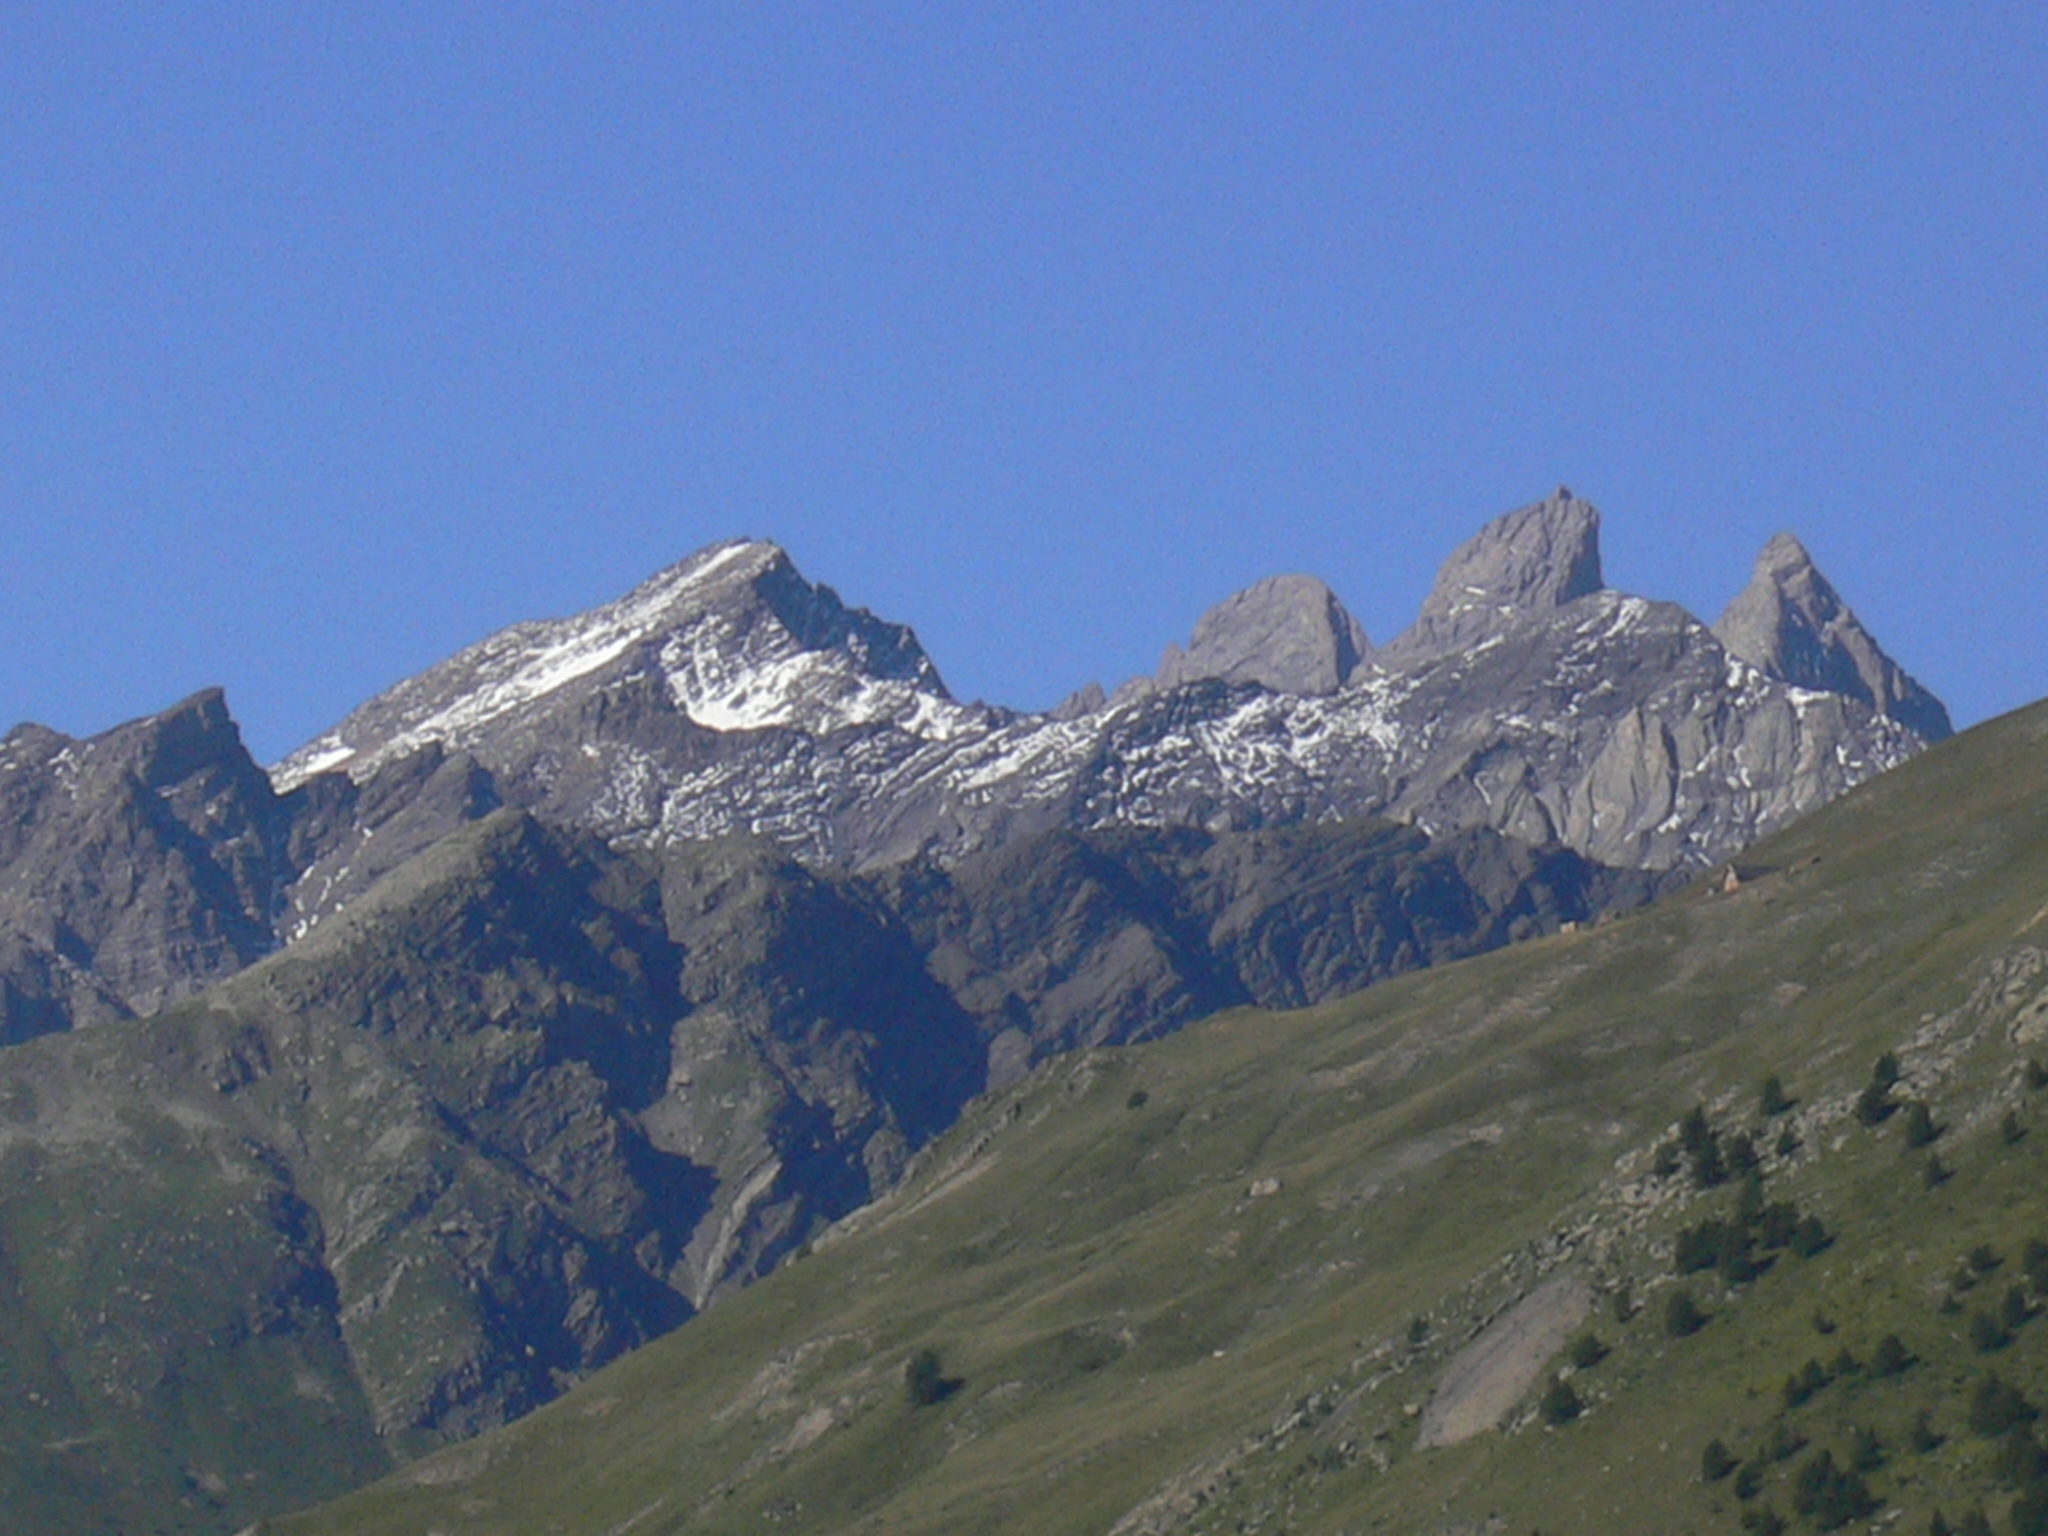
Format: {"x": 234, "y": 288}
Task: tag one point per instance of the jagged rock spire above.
{"x": 1287, "y": 633}
{"x": 1792, "y": 624}
{"x": 1539, "y": 557}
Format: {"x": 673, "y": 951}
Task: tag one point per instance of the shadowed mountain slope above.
{"x": 529, "y": 1102}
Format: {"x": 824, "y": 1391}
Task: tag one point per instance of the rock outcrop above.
{"x": 1791, "y": 623}
{"x": 1286, "y": 633}
{"x": 1528, "y": 562}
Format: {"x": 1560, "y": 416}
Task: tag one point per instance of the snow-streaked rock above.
{"x": 728, "y": 694}
{"x": 1793, "y": 624}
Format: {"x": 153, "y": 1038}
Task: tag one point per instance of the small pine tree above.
{"x": 924, "y": 1382}
{"x": 1775, "y": 1225}
{"x": 1938, "y": 1526}
{"x": 1920, "y": 1127}
{"x": 1891, "y": 1357}
{"x": 1709, "y": 1169}
{"x": 2035, "y": 1261}
{"x": 1934, "y": 1172}
{"x": 1763, "y": 1521}
{"x": 1737, "y": 1259}
{"x": 1742, "y": 1156}
{"x": 1749, "y": 1478}
{"x": 1770, "y": 1099}
{"x": 1560, "y": 1404}
{"x": 1586, "y": 1351}
{"x": 1749, "y": 1198}
{"x": 2015, "y": 1312}
{"x": 1783, "y": 1442}
{"x": 2020, "y": 1460}
{"x": 1822, "y": 1323}
{"x": 1987, "y": 1334}
{"x": 1983, "y": 1258}
{"x": 2037, "y": 1072}
{"x": 1665, "y": 1163}
{"x": 1845, "y": 1363}
{"x": 1996, "y": 1406}
{"x": 1974, "y": 1524}
{"x": 1921, "y": 1434}
{"x": 1715, "y": 1462}
{"x": 2010, "y": 1130}
{"x": 1810, "y": 1237}
{"x": 2030, "y": 1512}
{"x": 1624, "y": 1306}
{"x": 1866, "y": 1451}
{"x": 1874, "y": 1105}
{"x": 1788, "y": 1142}
{"x": 1884, "y": 1072}
{"x": 1682, "y": 1316}
{"x": 1694, "y": 1129}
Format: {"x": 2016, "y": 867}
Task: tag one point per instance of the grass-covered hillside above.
{"x": 1411, "y": 1262}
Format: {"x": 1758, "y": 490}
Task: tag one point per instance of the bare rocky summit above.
{"x": 1791, "y": 623}
{"x": 1286, "y": 633}
{"x": 1529, "y": 562}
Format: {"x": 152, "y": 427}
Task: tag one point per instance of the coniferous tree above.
{"x": 1560, "y": 1404}
{"x": 2035, "y": 1261}
{"x": 1891, "y": 1357}
{"x": 1715, "y": 1462}
{"x": 1987, "y": 1334}
{"x": 1921, "y": 1434}
{"x": 1920, "y": 1126}
{"x": 1770, "y": 1099}
{"x": 1749, "y": 1478}
{"x": 1586, "y": 1351}
{"x": 1996, "y": 1406}
{"x": 1810, "y": 1237}
{"x": 2015, "y": 1312}
{"x": 1682, "y": 1316}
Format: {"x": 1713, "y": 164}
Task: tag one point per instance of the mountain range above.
{"x": 364, "y": 1103}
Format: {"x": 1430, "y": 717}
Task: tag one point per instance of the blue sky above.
{"x": 335, "y": 338}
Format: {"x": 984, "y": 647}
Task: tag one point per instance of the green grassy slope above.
{"x": 1214, "y": 1283}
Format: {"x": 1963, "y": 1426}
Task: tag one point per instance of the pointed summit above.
{"x": 1287, "y": 633}
{"x": 1539, "y": 557}
{"x": 736, "y": 634}
{"x": 1790, "y": 623}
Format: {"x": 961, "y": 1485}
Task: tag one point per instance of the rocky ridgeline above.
{"x": 728, "y": 694}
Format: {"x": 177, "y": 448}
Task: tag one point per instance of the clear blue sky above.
{"x": 336, "y": 337}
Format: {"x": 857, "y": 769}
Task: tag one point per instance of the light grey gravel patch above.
{"x": 1495, "y": 1371}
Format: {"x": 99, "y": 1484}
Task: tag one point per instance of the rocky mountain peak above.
{"x": 738, "y": 636}
{"x": 1791, "y": 624}
{"x": 1287, "y": 633}
{"x": 1539, "y": 557}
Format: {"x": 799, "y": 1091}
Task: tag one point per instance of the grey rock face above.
{"x": 135, "y": 867}
{"x": 1527, "y": 699}
{"x": 1286, "y": 633}
{"x": 1535, "y": 559}
{"x": 143, "y": 864}
{"x": 1791, "y": 623}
